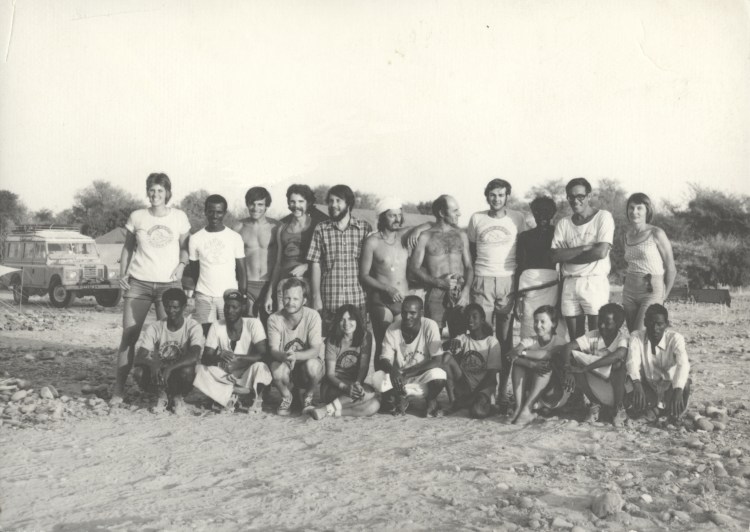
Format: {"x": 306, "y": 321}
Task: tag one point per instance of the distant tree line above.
{"x": 710, "y": 235}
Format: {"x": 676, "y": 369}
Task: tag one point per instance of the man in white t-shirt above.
{"x": 581, "y": 244}
{"x": 492, "y": 242}
{"x": 410, "y": 361}
{"x": 295, "y": 344}
{"x": 217, "y": 260}
{"x": 167, "y": 352}
{"x": 233, "y": 359}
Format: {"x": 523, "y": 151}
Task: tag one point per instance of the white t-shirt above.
{"x": 426, "y": 344}
{"x": 530, "y": 347}
{"x": 252, "y": 333}
{"x": 216, "y": 253}
{"x": 592, "y": 348}
{"x": 477, "y": 356}
{"x": 601, "y": 228}
{"x": 496, "y": 242}
{"x": 157, "y": 251}
{"x": 306, "y": 334}
{"x": 170, "y": 345}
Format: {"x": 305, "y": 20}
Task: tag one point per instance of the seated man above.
{"x": 295, "y": 345}
{"x": 233, "y": 358}
{"x": 167, "y": 352}
{"x": 658, "y": 366}
{"x": 595, "y": 363}
{"x": 410, "y": 361}
{"x": 477, "y": 354}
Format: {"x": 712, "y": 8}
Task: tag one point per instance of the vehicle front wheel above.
{"x": 19, "y": 296}
{"x": 108, "y": 298}
{"x": 59, "y": 296}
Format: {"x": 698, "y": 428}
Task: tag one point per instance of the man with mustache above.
{"x": 442, "y": 262}
{"x": 334, "y": 257}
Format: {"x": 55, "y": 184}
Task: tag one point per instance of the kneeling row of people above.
{"x": 237, "y": 361}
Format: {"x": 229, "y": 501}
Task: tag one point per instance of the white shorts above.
{"x": 584, "y": 295}
{"x": 415, "y": 386}
{"x": 208, "y": 309}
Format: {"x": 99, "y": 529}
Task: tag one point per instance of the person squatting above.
{"x": 369, "y": 321}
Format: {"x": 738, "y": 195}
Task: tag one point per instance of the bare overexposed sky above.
{"x": 414, "y": 98}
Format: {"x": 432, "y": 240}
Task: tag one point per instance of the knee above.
{"x": 280, "y": 373}
{"x": 480, "y": 409}
{"x": 372, "y": 408}
{"x": 312, "y": 370}
{"x": 435, "y": 387}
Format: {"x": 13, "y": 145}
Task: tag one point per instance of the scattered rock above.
{"x": 559, "y": 522}
{"x": 20, "y": 394}
{"x": 606, "y": 504}
{"x": 46, "y": 393}
{"x": 704, "y": 424}
{"x": 645, "y": 497}
{"x": 722, "y": 520}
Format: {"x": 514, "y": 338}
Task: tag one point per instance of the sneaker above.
{"x": 317, "y": 413}
{"x": 256, "y": 407}
{"x": 593, "y": 414}
{"x": 179, "y": 408}
{"x": 307, "y": 404}
{"x": 231, "y": 404}
{"x": 620, "y": 417}
{"x": 285, "y": 408}
{"x": 161, "y": 404}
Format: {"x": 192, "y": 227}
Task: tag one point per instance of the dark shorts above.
{"x": 148, "y": 291}
{"x": 436, "y": 308}
{"x": 380, "y": 302}
{"x": 180, "y": 381}
{"x": 256, "y": 296}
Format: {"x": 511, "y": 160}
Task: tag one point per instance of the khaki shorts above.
{"x": 494, "y": 294}
{"x": 584, "y": 295}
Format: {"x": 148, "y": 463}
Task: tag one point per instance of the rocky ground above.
{"x": 72, "y": 463}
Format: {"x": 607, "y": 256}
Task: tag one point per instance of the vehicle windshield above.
{"x": 71, "y": 248}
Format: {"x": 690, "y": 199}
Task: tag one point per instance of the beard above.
{"x": 340, "y": 216}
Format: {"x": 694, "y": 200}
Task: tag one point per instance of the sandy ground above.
{"x": 128, "y": 469}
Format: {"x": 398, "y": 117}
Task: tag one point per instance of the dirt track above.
{"x": 132, "y": 470}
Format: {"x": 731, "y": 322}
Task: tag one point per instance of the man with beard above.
{"x": 334, "y": 254}
{"x": 411, "y": 362}
{"x": 233, "y": 358}
{"x": 259, "y": 236}
{"x": 293, "y": 237}
{"x": 492, "y": 242}
{"x": 581, "y": 244}
{"x": 442, "y": 262}
{"x": 294, "y": 344}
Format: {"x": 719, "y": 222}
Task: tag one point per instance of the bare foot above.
{"x": 433, "y": 409}
{"x": 179, "y": 408}
{"x": 161, "y": 404}
{"x": 524, "y": 418}
{"x": 256, "y": 407}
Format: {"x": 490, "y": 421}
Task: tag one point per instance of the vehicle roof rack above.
{"x": 32, "y": 228}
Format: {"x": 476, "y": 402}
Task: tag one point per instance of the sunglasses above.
{"x": 579, "y": 197}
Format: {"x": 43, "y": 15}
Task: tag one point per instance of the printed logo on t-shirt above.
{"x": 348, "y": 360}
{"x": 213, "y": 250}
{"x": 294, "y": 345}
{"x": 169, "y": 351}
{"x": 411, "y": 357}
{"x": 159, "y": 236}
{"x": 497, "y": 234}
{"x": 472, "y": 362}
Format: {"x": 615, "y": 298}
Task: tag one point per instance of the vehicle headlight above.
{"x": 112, "y": 274}
{"x": 71, "y": 275}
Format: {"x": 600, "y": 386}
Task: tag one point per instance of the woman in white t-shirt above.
{"x": 152, "y": 261}
{"x": 532, "y": 371}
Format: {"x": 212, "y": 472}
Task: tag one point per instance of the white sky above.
{"x": 412, "y": 98}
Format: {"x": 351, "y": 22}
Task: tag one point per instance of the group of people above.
{"x": 374, "y": 318}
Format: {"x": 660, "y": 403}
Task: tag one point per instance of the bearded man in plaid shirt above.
{"x": 334, "y": 255}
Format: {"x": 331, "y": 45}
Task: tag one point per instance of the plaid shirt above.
{"x": 338, "y": 253}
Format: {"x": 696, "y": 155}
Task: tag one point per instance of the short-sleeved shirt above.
{"x": 475, "y": 357}
{"x": 306, "y": 334}
{"x": 601, "y": 228}
{"x": 157, "y": 251}
{"x": 530, "y": 347}
{"x": 424, "y": 346}
{"x": 592, "y": 348}
{"x": 338, "y": 253}
{"x": 495, "y": 239}
{"x": 252, "y": 333}
{"x": 668, "y": 365}
{"x": 216, "y": 252}
{"x": 167, "y": 345}
{"x": 347, "y": 360}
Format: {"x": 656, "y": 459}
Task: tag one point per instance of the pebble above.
{"x": 695, "y": 444}
{"x": 704, "y": 424}
{"x": 719, "y": 471}
{"x": 722, "y": 520}
{"x": 645, "y": 497}
{"x": 578, "y": 529}
{"x": 46, "y": 393}
{"x": 666, "y": 516}
{"x": 525, "y": 502}
{"x": 534, "y": 524}
{"x": 29, "y": 357}
{"x": 734, "y": 453}
{"x": 559, "y": 522}
{"x": 681, "y": 516}
{"x": 606, "y": 503}
{"x": 20, "y": 394}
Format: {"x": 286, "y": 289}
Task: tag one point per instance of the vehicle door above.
{"x": 39, "y": 265}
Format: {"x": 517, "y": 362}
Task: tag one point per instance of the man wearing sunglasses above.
{"x": 581, "y": 244}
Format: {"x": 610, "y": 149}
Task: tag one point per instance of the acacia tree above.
{"x": 101, "y": 207}
{"x": 194, "y": 205}
{"x": 12, "y": 210}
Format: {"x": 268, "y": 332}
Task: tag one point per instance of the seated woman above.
{"x": 531, "y": 371}
{"x": 347, "y": 357}
{"x": 595, "y": 363}
{"x": 658, "y": 366}
{"x": 472, "y": 365}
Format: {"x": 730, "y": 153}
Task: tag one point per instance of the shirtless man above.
{"x": 442, "y": 262}
{"x": 382, "y": 269}
{"x": 293, "y": 237}
{"x": 259, "y": 236}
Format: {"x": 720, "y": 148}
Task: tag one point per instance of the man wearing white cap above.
{"x": 382, "y": 267}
